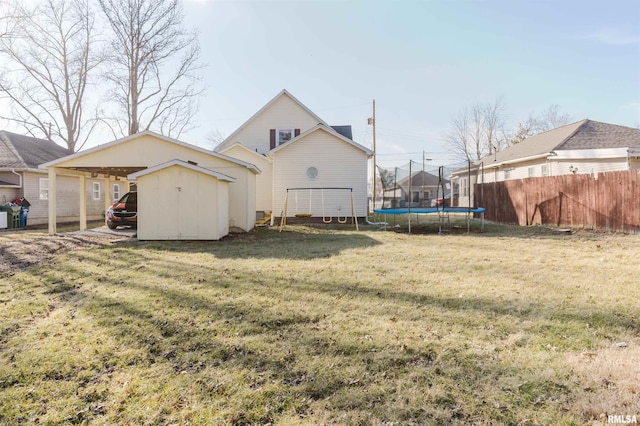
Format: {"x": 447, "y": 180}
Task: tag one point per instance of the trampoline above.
{"x": 442, "y": 210}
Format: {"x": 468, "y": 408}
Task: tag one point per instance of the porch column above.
{"x": 83, "y": 202}
{"x": 52, "y": 191}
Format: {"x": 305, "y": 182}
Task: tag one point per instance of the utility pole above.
{"x": 372, "y": 121}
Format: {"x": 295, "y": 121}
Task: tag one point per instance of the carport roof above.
{"x": 123, "y": 171}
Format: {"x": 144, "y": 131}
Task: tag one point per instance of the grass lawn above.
{"x": 327, "y": 326}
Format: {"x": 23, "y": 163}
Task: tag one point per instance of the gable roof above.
{"x": 328, "y": 129}
{"x": 420, "y": 178}
{"x": 284, "y": 92}
{"x": 25, "y": 152}
{"x": 181, "y": 163}
{"x": 249, "y": 166}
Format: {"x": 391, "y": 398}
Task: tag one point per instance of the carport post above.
{"x": 107, "y": 196}
{"x": 51, "y": 196}
{"x": 83, "y": 202}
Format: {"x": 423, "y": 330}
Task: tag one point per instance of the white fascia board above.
{"x": 587, "y": 154}
{"x": 217, "y": 175}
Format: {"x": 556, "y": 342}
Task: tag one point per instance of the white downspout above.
{"x": 19, "y": 176}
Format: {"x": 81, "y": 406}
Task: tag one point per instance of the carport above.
{"x": 116, "y": 160}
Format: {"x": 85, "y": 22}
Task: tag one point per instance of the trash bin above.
{"x": 13, "y": 214}
{"x": 24, "y": 211}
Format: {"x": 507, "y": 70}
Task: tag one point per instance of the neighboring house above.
{"x": 586, "y": 146}
{"x": 294, "y": 148}
{"x": 419, "y": 188}
{"x": 20, "y": 157}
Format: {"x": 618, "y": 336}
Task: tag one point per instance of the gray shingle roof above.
{"x": 18, "y": 151}
{"x": 344, "y": 131}
{"x": 420, "y": 178}
{"x": 584, "y": 134}
{"x": 595, "y": 135}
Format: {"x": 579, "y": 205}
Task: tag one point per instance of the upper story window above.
{"x": 284, "y": 135}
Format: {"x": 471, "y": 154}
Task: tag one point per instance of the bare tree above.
{"x": 49, "y": 54}
{"x": 548, "y": 119}
{"x": 154, "y": 65}
{"x": 478, "y": 131}
{"x": 216, "y": 137}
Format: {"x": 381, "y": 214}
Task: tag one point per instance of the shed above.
{"x": 178, "y": 200}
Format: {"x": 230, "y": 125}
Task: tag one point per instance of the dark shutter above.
{"x": 296, "y": 133}
{"x": 272, "y": 138}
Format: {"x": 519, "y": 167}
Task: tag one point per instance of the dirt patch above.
{"x": 22, "y": 250}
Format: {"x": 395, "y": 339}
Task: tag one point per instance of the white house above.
{"x": 318, "y": 165}
{"x": 586, "y": 146}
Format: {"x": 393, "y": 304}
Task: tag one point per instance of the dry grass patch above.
{"x": 321, "y": 326}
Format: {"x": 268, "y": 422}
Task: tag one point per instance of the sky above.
{"x": 422, "y": 61}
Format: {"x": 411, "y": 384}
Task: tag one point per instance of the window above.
{"x": 415, "y": 196}
{"x": 532, "y": 171}
{"x": 44, "y": 188}
{"x": 312, "y": 173}
{"x": 507, "y": 174}
{"x": 284, "y": 135}
{"x": 96, "y": 190}
{"x": 464, "y": 190}
{"x": 544, "y": 170}
{"x": 116, "y": 191}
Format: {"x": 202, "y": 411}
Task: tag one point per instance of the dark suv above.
{"x": 124, "y": 211}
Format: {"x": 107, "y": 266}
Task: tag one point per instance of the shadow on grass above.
{"x": 308, "y": 243}
{"x": 272, "y": 352}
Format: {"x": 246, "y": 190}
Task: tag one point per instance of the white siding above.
{"x": 68, "y": 200}
{"x": 177, "y": 203}
{"x": 282, "y": 113}
{"x": 559, "y": 168}
{"x": 264, "y": 181}
{"x": 339, "y": 164}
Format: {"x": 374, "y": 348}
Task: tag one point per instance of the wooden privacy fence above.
{"x": 606, "y": 201}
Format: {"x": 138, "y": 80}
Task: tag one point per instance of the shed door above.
{"x": 178, "y": 202}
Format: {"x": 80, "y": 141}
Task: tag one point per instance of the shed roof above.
{"x": 181, "y": 163}
{"x": 25, "y": 152}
